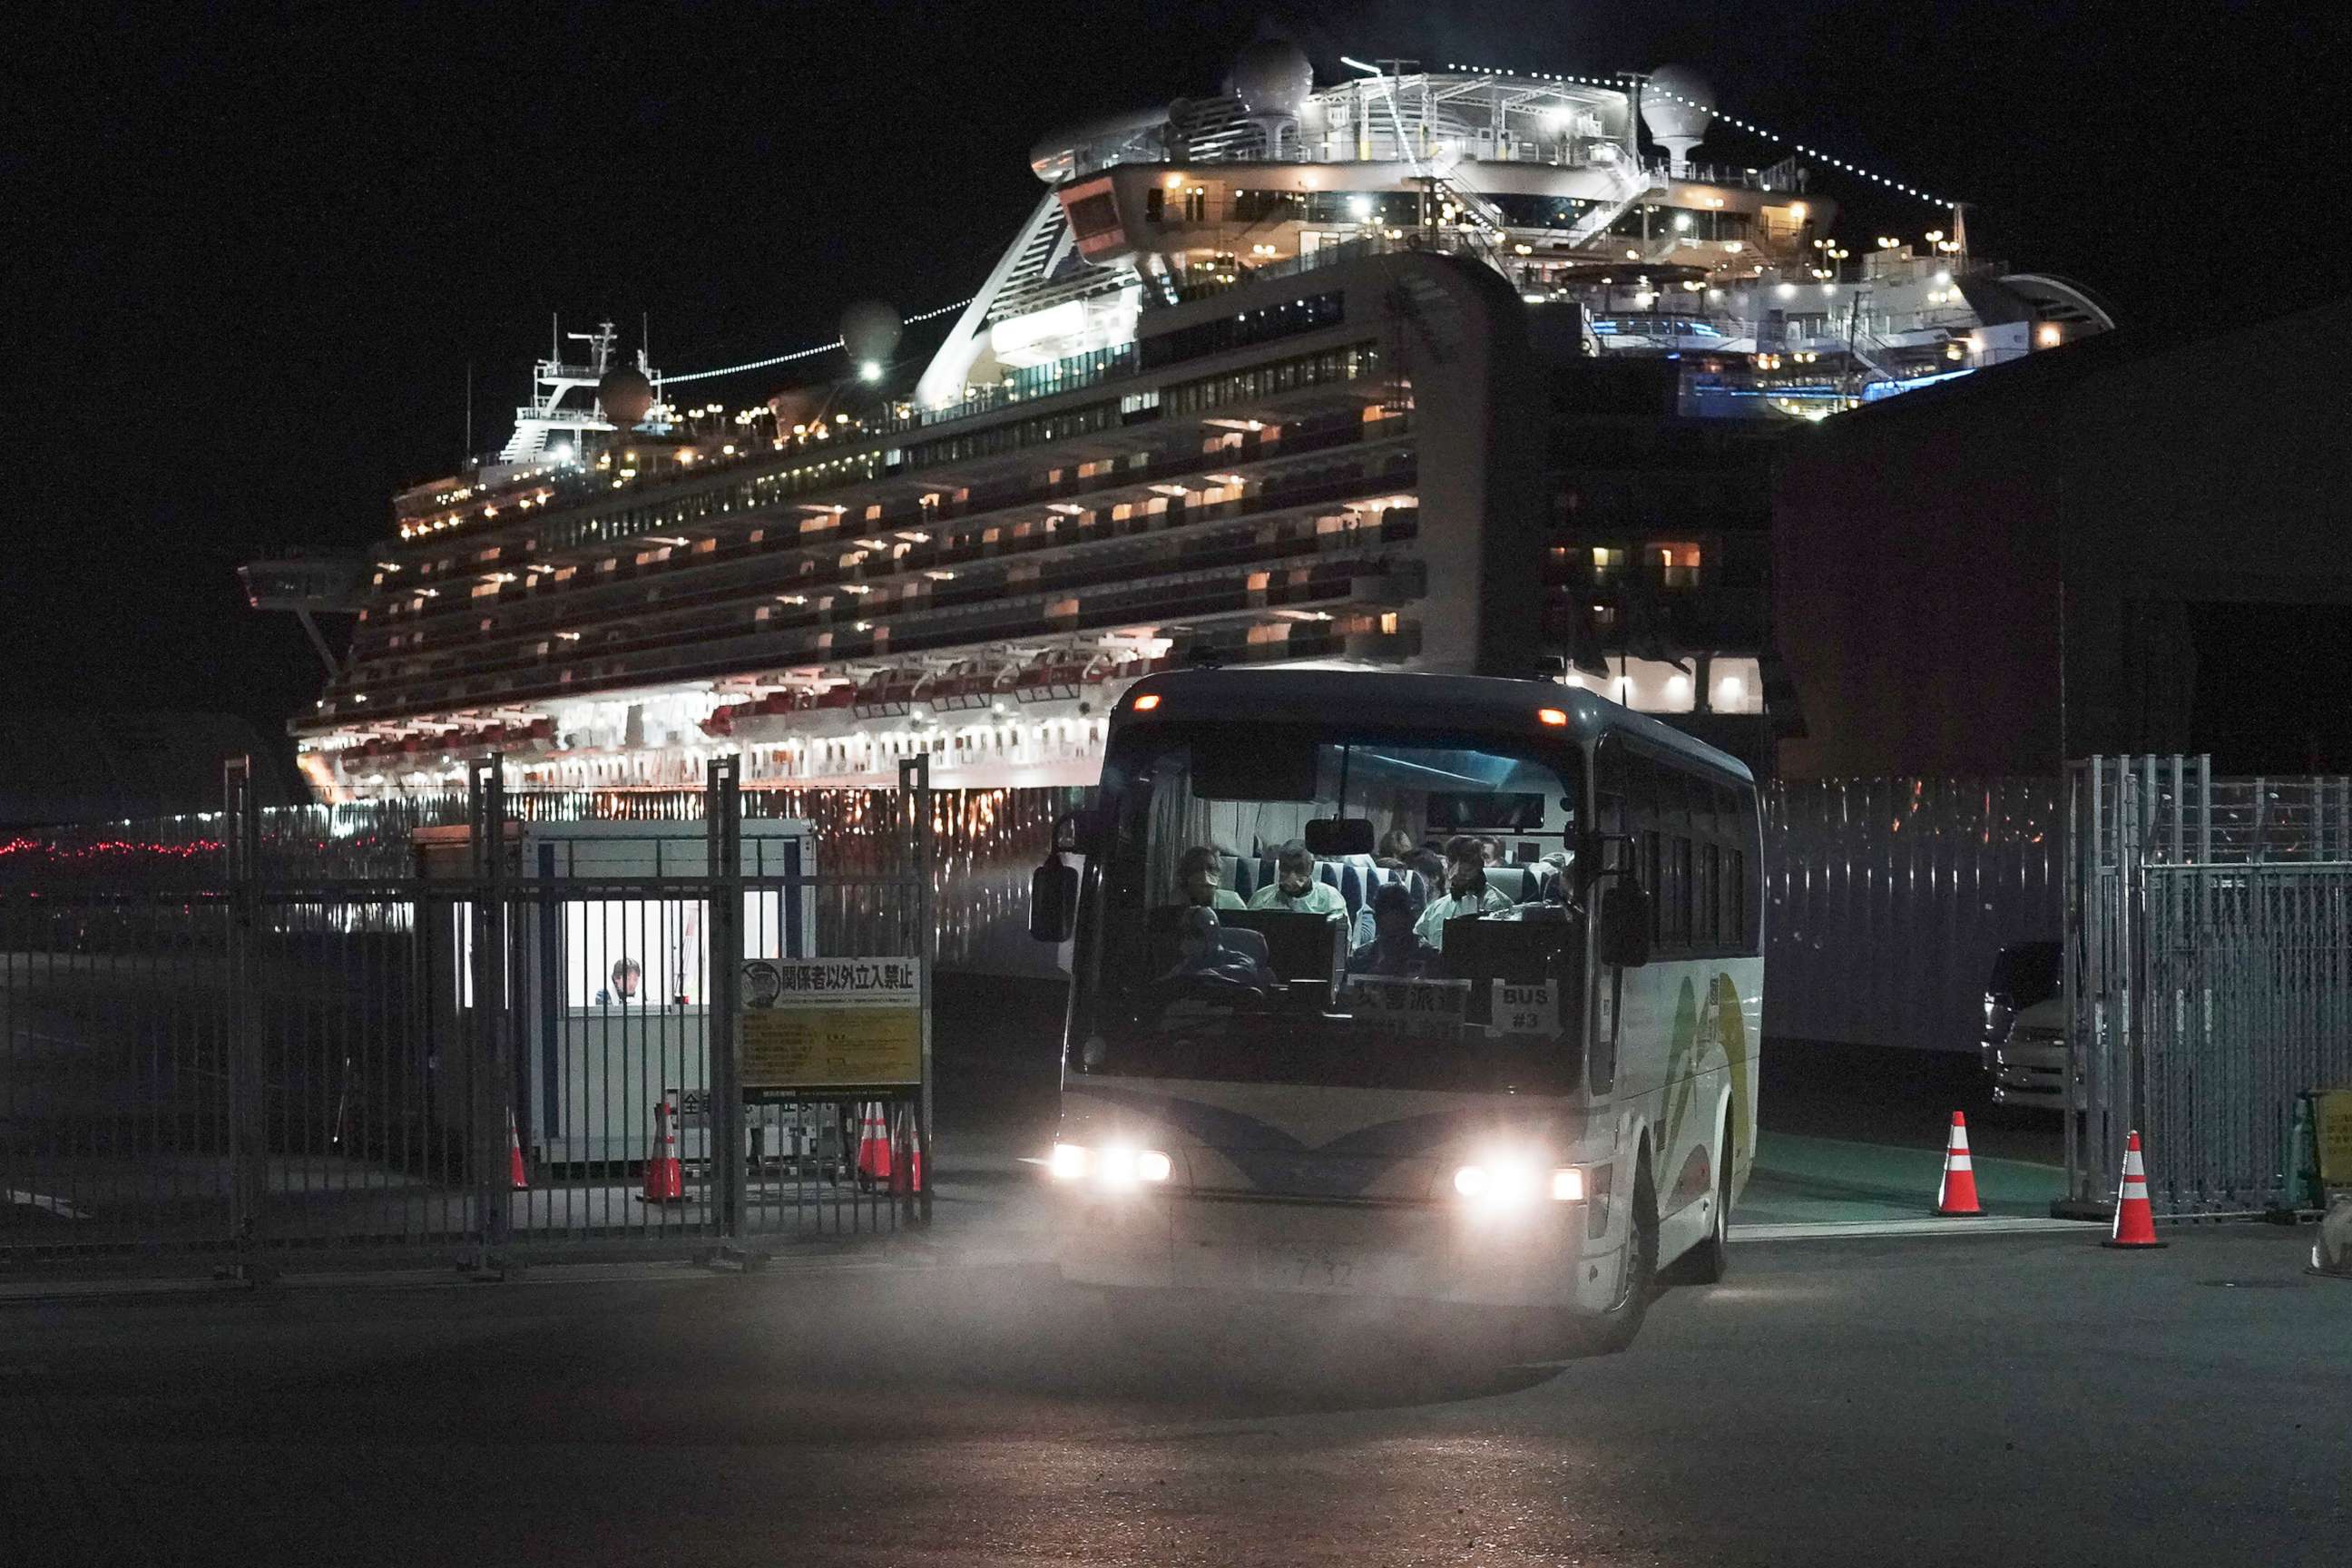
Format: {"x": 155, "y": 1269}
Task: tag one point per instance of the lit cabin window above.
{"x": 1677, "y": 564}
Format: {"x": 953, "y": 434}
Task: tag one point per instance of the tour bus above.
{"x": 1543, "y": 1098}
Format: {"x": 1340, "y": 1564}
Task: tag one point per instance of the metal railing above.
{"x": 2208, "y": 974}
{"x": 528, "y": 1038}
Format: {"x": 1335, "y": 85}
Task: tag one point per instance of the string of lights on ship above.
{"x": 569, "y": 477}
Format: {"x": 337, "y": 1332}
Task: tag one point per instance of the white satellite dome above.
{"x": 1273, "y": 77}
{"x": 1667, "y": 102}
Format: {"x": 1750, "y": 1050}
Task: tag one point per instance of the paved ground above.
{"x": 1980, "y": 1399}
{"x": 1969, "y": 1395}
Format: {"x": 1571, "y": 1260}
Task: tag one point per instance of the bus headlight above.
{"x": 1512, "y": 1183}
{"x": 1497, "y": 1183}
{"x": 1115, "y": 1165}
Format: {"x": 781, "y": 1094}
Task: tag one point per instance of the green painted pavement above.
{"x": 1803, "y": 1180}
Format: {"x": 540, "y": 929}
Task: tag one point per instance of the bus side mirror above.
{"x": 1623, "y": 932}
{"x": 1053, "y": 900}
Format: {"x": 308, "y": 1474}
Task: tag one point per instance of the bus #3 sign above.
{"x": 832, "y": 1023}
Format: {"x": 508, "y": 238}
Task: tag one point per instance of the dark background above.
{"x": 253, "y": 251}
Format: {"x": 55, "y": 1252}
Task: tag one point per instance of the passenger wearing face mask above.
{"x": 1198, "y": 871}
{"x": 1466, "y": 892}
{"x": 1296, "y": 889}
{"x": 1393, "y": 952}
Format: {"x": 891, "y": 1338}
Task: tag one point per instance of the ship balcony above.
{"x": 1214, "y": 576}
{"x": 1081, "y": 566}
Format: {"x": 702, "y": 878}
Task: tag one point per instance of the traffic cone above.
{"x": 514, "y": 1155}
{"x": 2135, "y": 1217}
{"x": 908, "y": 1158}
{"x": 664, "y": 1177}
{"x": 1955, "y": 1195}
{"x": 873, "y": 1145}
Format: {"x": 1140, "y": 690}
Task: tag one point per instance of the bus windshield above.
{"x": 1294, "y": 904}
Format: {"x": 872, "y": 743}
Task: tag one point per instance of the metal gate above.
{"x": 2208, "y": 975}
{"x": 305, "y": 1032}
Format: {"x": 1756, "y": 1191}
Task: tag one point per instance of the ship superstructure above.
{"x": 1438, "y": 370}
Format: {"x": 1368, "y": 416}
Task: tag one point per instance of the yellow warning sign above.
{"x": 832, "y": 1047}
{"x": 2331, "y": 1115}
{"x": 832, "y": 1023}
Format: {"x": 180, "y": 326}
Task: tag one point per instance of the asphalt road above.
{"x": 1997, "y": 1399}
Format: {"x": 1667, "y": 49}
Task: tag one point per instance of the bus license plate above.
{"x": 1307, "y": 1268}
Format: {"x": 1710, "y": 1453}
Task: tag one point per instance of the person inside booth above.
{"x": 623, "y": 991}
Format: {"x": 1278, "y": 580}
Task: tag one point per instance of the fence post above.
{"x": 723, "y": 815}
{"x": 489, "y": 1066}
{"x": 915, "y": 782}
{"x": 248, "y": 1147}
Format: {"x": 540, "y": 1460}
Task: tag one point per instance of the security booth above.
{"x": 607, "y": 941}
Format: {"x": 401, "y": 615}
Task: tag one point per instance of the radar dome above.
{"x": 1668, "y": 105}
{"x": 871, "y": 331}
{"x": 1273, "y": 77}
{"x": 625, "y": 397}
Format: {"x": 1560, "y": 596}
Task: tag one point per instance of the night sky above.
{"x": 252, "y": 251}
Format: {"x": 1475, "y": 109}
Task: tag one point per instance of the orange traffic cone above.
{"x": 873, "y": 1145}
{"x": 908, "y": 1158}
{"x": 664, "y": 1177}
{"x": 514, "y": 1155}
{"x": 2135, "y": 1217}
{"x": 1955, "y": 1195}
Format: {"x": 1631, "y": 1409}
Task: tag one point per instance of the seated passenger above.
{"x": 1293, "y": 887}
{"x": 1200, "y": 953}
{"x": 1551, "y": 880}
{"x": 1394, "y": 950}
{"x": 1466, "y": 892}
{"x": 1397, "y": 848}
{"x": 1198, "y": 872}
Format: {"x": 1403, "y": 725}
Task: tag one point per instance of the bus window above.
{"x": 1677, "y": 895}
{"x": 1653, "y": 872}
{"x": 1674, "y": 800}
{"x": 1706, "y": 899}
{"x": 1736, "y": 929}
{"x": 1281, "y": 967}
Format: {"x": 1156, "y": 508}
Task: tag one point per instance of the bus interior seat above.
{"x": 1512, "y": 882}
{"x": 1239, "y": 875}
{"x": 1479, "y": 949}
{"x": 1251, "y": 944}
{"x": 1300, "y": 946}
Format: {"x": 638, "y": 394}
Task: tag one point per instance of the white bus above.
{"x": 1538, "y": 1094}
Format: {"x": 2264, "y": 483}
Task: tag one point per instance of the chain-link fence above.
{"x": 483, "y": 1028}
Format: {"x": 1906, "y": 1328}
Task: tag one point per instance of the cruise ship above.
{"x": 1460, "y": 370}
